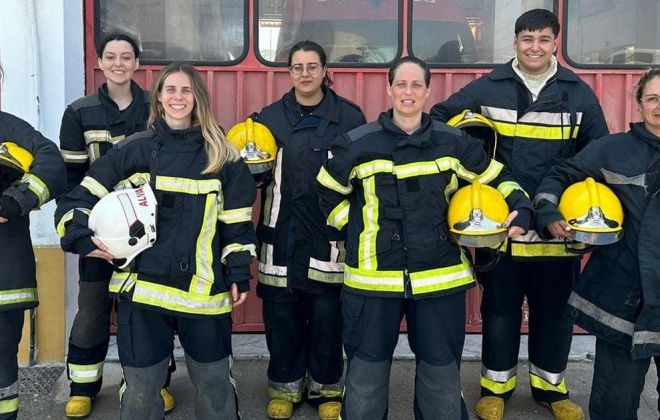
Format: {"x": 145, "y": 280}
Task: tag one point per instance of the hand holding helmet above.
{"x": 592, "y": 212}
{"x": 124, "y": 224}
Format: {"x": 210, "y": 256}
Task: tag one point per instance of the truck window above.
{"x": 590, "y": 39}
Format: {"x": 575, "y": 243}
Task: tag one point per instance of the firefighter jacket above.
{"x": 93, "y": 123}
{"x": 617, "y": 295}
{"x": 533, "y": 136}
{"x": 205, "y": 237}
{"x": 297, "y": 247}
{"x": 390, "y": 191}
{"x": 44, "y": 181}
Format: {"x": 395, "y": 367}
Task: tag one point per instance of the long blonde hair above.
{"x": 218, "y": 149}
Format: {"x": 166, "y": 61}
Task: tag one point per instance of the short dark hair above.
{"x": 117, "y": 36}
{"x": 536, "y": 20}
{"x": 414, "y": 60}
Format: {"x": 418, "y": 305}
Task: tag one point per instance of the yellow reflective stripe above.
{"x": 97, "y": 136}
{"x": 271, "y": 280}
{"x": 122, "y": 282}
{"x": 325, "y": 277}
{"x": 338, "y": 217}
{"x": 9, "y": 406}
{"x": 410, "y": 170}
{"x": 94, "y": 187}
{"x": 74, "y": 156}
{"x": 38, "y": 187}
{"x": 539, "y": 383}
{"x": 61, "y": 228}
{"x": 445, "y": 278}
{"x": 240, "y": 215}
{"x": 173, "y": 299}
{"x": 15, "y": 296}
{"x": 540, "y": 249}
{"x": 367, "y": 242}
{"x": 380, "y": 281}
{"x": 497, "y": 387}
{"x": 535, "y": 132}
{"x": 188, "y": 185}
{"x": 135, "y": 180}
{"x": 236, "y": 247}
{"x": 371, "y": 168}
{"x": 204, "y": 276}
{"x": 451, "y": 188}
{"x": 85, "y": 374}
{"x": 324, "y": 178}
{"x": 507, "y": 187}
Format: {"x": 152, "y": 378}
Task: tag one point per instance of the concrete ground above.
{"x": 250, "y": 372}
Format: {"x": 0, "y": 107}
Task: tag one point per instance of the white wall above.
{"x": 41, "y": 48}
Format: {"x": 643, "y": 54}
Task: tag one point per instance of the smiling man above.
{"x": 543, "y": 114}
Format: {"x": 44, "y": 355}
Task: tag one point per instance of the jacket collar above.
{"x": 135, "y": 111}
{"x": 328, "y": 108}
{"x": 505, "y": 71}
{"x": 420, "y": 138}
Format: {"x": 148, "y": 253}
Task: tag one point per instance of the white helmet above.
{"x": 125, "y": 221}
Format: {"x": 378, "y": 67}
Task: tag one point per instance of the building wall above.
{"x": 41, "y": 50}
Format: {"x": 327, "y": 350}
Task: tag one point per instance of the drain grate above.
{"x": 38, "y": 380}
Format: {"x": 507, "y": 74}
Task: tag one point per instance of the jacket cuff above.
{"x": 24, "y": 197}
{"x": 84, "y": 246}
{"x": 523, "y": 219}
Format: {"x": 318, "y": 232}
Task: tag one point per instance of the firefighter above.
{"x": 543, "y": 114}
{"x": 199, "y": 266}
{"x": 615, "y": 297}
{"x": 31, "y": 173}
{"x": 90, "y": 126}
{"x": 300, "y": 256}
{"x": 387, "y": 185}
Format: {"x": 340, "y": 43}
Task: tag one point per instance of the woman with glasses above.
{"x": 616, "y": 297}
{"x": 300, "y": 257}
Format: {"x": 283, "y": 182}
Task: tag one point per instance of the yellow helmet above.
{"x": 476, "y": 215}
{"x": 256, "y": 144}
{"x": 14, "y": 161}
{"x": 477, "y": 126}
{"x": 593, "y": 211}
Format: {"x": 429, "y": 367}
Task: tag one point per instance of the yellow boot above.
{"x": 78, "y": 407}
{"x": 490, "y": 408}
{"x": 329, "y": 410}
{"x": 565, "y": 410}
{"x": 168, "y": 399}
{"x": 280, "y": 409}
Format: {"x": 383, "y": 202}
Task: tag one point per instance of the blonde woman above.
{"x": 199, "y": 267}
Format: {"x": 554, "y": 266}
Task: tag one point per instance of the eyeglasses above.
{"x": 651, "y": 101}
{"x": 312, "y": 69}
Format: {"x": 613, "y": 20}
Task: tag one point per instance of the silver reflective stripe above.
{"x": 9, "y": 391}
{"x": 550, "y": 197}
{"x": 499, "y": 376}
{"x": 295, "y": 386}
{"x": 552, "y": 378}
{"x": 318, "y": 387}
{"x": 646, "y": 337}
{"x": 593, "y": 311}
{"x": 613, "y": 178}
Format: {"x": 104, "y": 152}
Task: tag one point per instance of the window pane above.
{"x": 467, "y": 31}
{"x": 622, "y": 33}
{"x": 199, "y": 30}
{"x": 350, "y": 31}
